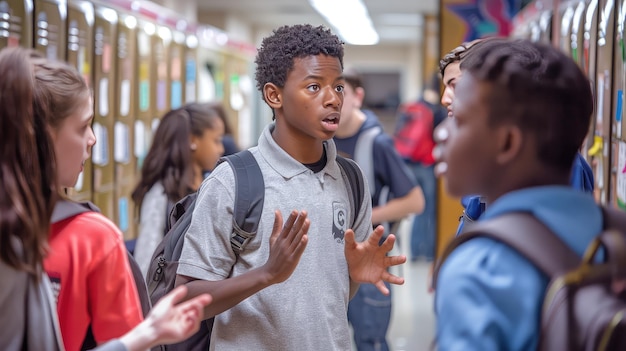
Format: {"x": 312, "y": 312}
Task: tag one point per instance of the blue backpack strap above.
{"x": 354, "y": 181}
{"x": 363, "y": 154}
{"x": 249, "y": 196}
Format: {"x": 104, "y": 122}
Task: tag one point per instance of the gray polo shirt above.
{"x": 309, "y": 310}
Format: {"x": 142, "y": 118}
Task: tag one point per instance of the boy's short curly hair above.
{"x": 541, "y": 90}
{"x": 276, "y": 55}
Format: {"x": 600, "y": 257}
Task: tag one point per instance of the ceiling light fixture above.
{"x": 349, "y": 18}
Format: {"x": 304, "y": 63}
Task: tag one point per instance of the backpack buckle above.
{"x": 240, "y": 239}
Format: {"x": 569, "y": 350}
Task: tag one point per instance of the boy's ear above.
{"x": 360, "y": 94}
{"x": 272, "y": 95}
{"x": 510, "y": 143}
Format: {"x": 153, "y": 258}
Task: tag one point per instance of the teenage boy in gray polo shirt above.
{"x": 289, "y": 289}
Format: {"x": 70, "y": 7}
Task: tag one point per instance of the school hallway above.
{"x": 412, "y": 320}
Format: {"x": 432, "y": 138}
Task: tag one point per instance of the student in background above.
{"x": 87, "y": 261}
{"x": 187, "y": 142}
{"x": 395, "y": 195}
{"x": 28, "y": 192}
{"x": 506, "y": 141}
{"x": 414, "y": 141}
{"x": 289, "y": 288}
{"x": 451, "y": 69}
{"x": 228, "y": 140}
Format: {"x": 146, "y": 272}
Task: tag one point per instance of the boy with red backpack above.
{"x": 414, "y": 141}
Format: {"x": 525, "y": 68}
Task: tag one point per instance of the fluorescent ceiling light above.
{"x": 350, "y": 18}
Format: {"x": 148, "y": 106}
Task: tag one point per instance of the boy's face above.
{"x": 451, "y": 75}
{"x": 351, "y": 100}
{"x": 312, "y": 97}
{"x": 465, "y": 142}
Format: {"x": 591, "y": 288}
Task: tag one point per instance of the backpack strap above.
{"x": 64, "y": 209}
{"x": 613, "y": 218}
{"x": 524, "y": 233}
{"x": 353, "y": 178}
{"x": 249, "y": 197}
{"x": 613, "y": 239}
{"x": 363, "y": 151}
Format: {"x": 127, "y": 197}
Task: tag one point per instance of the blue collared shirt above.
{"x": 489, "y": 297}
{"x": 581, "y": 179}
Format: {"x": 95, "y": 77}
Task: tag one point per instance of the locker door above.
{"x": 80, "y": 21}
{"x": 125, "y": 160}
{"x": 618, "y": 130}
{"x": 50, "y": 28}
{"x": 143, "y": 131}
{"x": 589, "y": 37}
{"x": 160, "y": 74}
{"x": 604, "y": 85}
{"x": 177, "y": 67}
{"x": 545, "y": 27}
{"x": 566, "y": 13}
{"x": 191, "y": 68}
{"x": 620, "y": 175}
{"x": 104, "y": 102}
{"x": 16, "y": 23}
{"x": 576, "y": 34}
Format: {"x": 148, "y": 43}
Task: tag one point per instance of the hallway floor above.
{"x": 412, "y": 321}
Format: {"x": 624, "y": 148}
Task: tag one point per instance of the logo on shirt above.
{"x": 340, "y": 221}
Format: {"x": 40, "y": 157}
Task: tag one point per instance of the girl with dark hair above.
{"x": 28, "y": 193}
{"x": 230, "y": 145}
{"x": 188, "y": 142}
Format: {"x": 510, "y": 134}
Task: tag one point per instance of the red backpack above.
{"x": 414, "y": 138}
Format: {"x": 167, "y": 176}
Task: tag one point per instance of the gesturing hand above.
{"x": 287, "y": 244}
{"x": 169, "y": 320}
{"x": 368, "y": 262}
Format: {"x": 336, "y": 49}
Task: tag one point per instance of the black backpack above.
{"x": 65, "y": 209}
{"x": 581, "y": 308}
{"x": 249, "y": 197}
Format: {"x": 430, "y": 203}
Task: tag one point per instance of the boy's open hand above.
{"x": 287, "y": 244}
{"x": 368, "y": 262}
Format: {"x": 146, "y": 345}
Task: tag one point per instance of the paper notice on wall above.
{"x": 121, "y": 146}
{"x": 100, "y": 151}
{"x": 125, "y": 98}
{"x": 103, "y": 98}
{"x": 140, "y": 139}
{"x": 621, "y": 176}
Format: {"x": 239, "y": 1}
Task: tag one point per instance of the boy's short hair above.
{"x": 456, "y": 55}
{"x": 541, "y": 90}
{"x": 353, "y": 78}
{"x": 276, "y": 55}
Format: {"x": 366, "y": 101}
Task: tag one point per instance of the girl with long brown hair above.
{"x": 187, "y": 143}
{"x": 28, "y": 192}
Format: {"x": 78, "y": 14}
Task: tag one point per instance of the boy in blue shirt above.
{"x": 506, "y": 141}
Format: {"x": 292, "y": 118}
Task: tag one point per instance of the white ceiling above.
{"x": 396, "y": 21}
